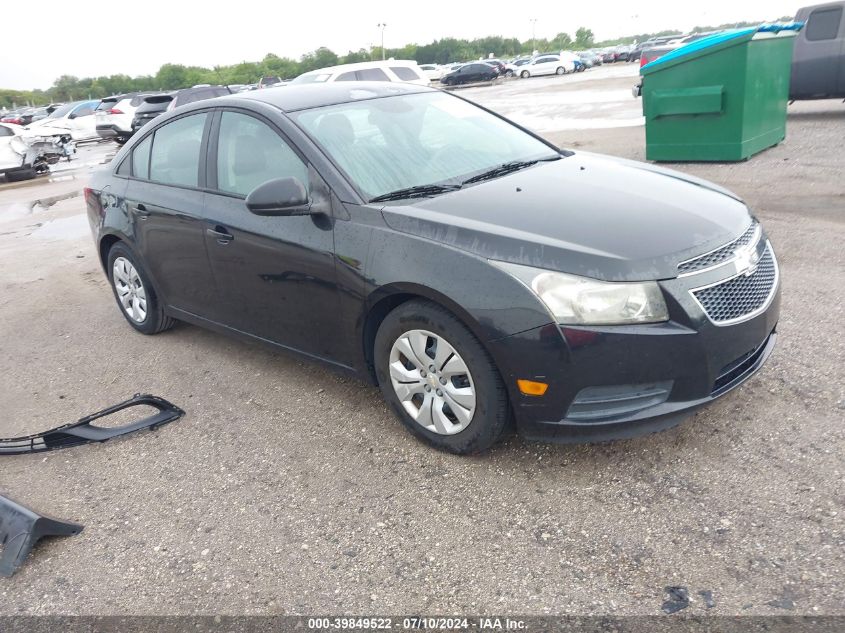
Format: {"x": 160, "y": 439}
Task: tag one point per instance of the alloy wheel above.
{"x": 432, "y": 382}
{"x": 130, "y": 289}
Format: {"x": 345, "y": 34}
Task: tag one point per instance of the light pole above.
{"x": 533, "y": 34}
{"x": 381, "y": 25}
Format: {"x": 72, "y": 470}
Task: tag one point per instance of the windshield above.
{"x": 59, "y": 112}
{"x": 388, "y": 144}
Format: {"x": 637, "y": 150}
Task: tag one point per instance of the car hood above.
{"x": 584, "y": 214}
{"x": 45, "y": 129}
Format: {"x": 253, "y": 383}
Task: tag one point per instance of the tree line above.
{"x": 175, "y": 76}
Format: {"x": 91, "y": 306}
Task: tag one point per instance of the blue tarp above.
{"x": 724, "y": 36}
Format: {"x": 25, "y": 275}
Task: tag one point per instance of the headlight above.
{"x": 584, "y": 301}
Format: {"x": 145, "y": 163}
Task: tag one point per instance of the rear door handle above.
{"x": 221, "y": 234}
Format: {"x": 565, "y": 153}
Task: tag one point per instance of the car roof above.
{"x": 294, "y": 97}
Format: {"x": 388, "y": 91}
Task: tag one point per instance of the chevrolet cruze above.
{"x": 475, "y": 272}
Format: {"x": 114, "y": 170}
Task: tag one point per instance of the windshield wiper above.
{"x": 507, "y": 168}
{"x": 418, "y": 191}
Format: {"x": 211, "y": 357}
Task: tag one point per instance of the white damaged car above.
{"x": 24, "y": 154}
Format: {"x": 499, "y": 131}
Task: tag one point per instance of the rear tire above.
{"x": 460, "y": 406}
{"x": 121, "y": 140}
{"x": 134, "y": 293}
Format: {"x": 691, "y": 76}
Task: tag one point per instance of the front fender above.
{"x": 489, "y": 301}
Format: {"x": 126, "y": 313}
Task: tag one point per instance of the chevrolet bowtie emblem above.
{"x": 746, "y": 261}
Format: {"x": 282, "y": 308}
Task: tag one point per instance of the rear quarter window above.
{"x": 124, "y": 169}
{"x": 141, "y": 158}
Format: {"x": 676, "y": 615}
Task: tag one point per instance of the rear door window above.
{"x": 405, "y": 73}
{"x": 372, "y": 74}
{"x": 249, "y": 153}
{"x": 175, "y": 156}
{"x": 824, "y": 24}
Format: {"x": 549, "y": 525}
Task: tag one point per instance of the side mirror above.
{"x": 282, "y": 196}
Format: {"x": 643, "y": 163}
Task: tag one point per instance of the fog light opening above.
{"x": 531, "y": 387}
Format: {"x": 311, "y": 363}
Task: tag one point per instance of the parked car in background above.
{"x": 648, "y": 55}
{"x": 593, "y": 56}
{"x": 498, "y": 64}
{"x": 13, "y": 117}
{"x": 398, "y": 70}
{"x": 27, "y": 116}
{"x": 152, "y": 106}
{"x": 475, "y": 272}
{"x": 114, "y": 116}
{"x": 547, "y": 65}
{"x": 470, "y": 73}
{"x": 269, "y": 82}
{"x": 16, "y": 162}
{"x": 622, "y": 53}
{"x": 76, "y": 119}
{"x": 24, "y": 155}
{"x": 197, "y": 93}
{"x": 818, "y": 58}
{"x": 589, "y": 61}
{"x": 433, "y": 71}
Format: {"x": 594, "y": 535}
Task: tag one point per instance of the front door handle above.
{"x": 142, "y": 212}
{"x": 221, "y": 234}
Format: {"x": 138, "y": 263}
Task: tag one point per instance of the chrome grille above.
{"x": 721, "y": 254}
{"x": 740, "y": 297}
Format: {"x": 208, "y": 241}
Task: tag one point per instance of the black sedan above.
{"x": 470, "y": 73}
{"x": 475, "y": 272}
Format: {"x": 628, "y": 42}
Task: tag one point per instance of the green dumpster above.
{"x": 720, "y": 98}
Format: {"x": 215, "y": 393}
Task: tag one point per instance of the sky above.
{"x": 123, "y": 36}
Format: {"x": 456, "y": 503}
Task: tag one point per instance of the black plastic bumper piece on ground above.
{"x": 84, "y": 432}
{"x": 21, "y": 528}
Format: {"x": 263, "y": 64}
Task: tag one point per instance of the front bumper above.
{"x": 614, "y": 382}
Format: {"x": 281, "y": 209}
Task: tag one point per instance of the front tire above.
{"x": 439, "y": 380}
{"x": 134, "y": 292}
{"x": 20, "y": 175}
{"x": 560, "y": 70}
{"x": 525, "y": 74}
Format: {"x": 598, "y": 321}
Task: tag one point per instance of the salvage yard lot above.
{"x": 290, "y": 489}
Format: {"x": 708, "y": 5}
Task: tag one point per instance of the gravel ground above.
{"x": 289, "y": 489}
